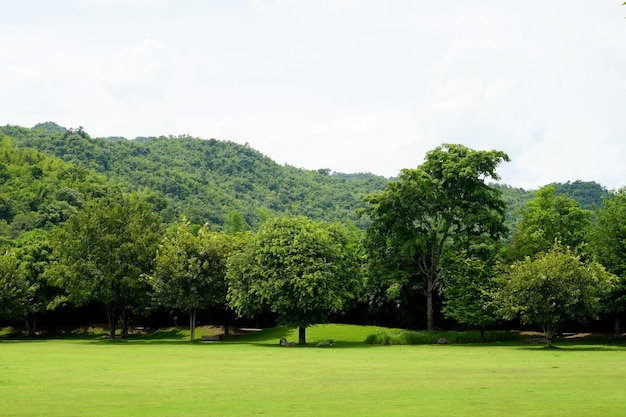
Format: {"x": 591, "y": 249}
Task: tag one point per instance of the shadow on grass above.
{"x": 269, "y": 338}
{"x": 584, "y": 344}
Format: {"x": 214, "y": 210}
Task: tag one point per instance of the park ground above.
{"x": 161, "y": 373}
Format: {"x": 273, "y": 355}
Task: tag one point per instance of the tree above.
{"x": 546, "y": 218}
{"x": 25, "y": 291}
{"x": 102, "y": 252}
{"x": 296, "y": 268}
{"x": 470, "y": 280}
{"x": 190, "y": 270}
{"x": 608, "y": 244}
{"x": 35, "y": 256}
{"x": 14, "y": 289}
{"x": 553, "y": 288}
{"x": 444, "y": 202}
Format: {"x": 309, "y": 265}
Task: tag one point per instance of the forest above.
{"x": 138, "y": 231}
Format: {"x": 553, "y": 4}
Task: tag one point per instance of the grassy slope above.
{"x": 166, "y": 376}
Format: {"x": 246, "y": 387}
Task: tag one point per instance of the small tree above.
{"x": 553, "y": 288}
{"x": 297, "y": 268}
{"x": 190, "y": 269}
{"x": 469, "y": 284}
{"x": 35, "y": 256}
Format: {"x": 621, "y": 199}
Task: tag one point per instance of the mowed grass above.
{"x": 164, "y": 375}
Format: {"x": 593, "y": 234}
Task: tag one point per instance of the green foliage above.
{"x": 207, "y": 180}
{"x": 407, "y": 337}
{"x": 443, "y": 204}
{"x": 14, "y": 288}
{"x": 468, "y": 288}
{"x": 553, "y": 288}
{"x": 608, "y": 244}
{"x": 296, "y": 268}
{"x": 547, "y": 218}
{"x": 190, "y": 270}
{"x": 515, "y": 199}
{"x": 38, "y": 191}
{"x": 102, "y": 252}
{"x": 588, "y": 194}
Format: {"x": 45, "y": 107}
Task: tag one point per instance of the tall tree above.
{"x": 442, "y": 203}
{"x": 190, "y": 270}
{"x": 553, "y": 288}
{"x": 546, "y": 218}
{"x": 102, "y": 252}
{"x": 296, "y": 268}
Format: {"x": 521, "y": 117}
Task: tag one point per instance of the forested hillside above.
{"x": 207, "y": 180}
{"x": 40, "y": 191}
{"x": 214, "y": 181}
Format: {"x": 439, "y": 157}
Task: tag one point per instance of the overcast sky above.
{"x": 350, "y": 85}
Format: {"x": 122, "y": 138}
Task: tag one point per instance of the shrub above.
{"x": 408, "y": 337}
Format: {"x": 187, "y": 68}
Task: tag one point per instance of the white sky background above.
{"x": 350, "y": 85}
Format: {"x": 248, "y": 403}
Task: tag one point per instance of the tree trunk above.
{"x": 302, "y": 335}
{"x": 482, "y": 334}
{"x": 192, "y": 324}
{"x": 29, "y": 329}
{"x": 112, "y": 318}
{"x": 548, "y": 333}
{"x": 124, "y": 323}
{"x": 429, "y": 308}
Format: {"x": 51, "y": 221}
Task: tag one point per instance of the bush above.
{"x": 408, "y": 337}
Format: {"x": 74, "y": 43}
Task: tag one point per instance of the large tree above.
{"x": 102, "y": 252}
{"x": 553, "y": 288}
{"x": 190, "y": 270}
{"x": 298, "y": 269}
{"x": 546, "y": 218}
{"x": 443, "y": 203}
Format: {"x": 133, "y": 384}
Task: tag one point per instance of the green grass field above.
{"x": 164, "y": 375}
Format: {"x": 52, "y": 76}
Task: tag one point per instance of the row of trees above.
{"x": 436, "y": 233}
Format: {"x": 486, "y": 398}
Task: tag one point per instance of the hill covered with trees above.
{"x": 207, "y": 180}
{"x": 219, "y": 181}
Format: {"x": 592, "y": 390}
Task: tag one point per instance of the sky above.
{"x": 348, "y": 85}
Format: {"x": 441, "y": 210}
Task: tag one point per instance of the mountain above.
{"x": 207, "y": 180}
{"x": 212, "y": 180}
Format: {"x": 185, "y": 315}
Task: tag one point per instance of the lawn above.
{"x": 164, "y": 375}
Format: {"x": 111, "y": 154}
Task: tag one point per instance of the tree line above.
{"x": 436, "y": 237}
